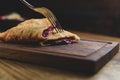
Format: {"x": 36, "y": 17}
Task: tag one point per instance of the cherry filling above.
{"x": 1, "y": 17}
{"x": 47, "y": 31}
{"x": 66, "y": 40}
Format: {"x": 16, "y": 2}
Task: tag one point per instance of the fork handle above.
{"x": 27, "y": 4}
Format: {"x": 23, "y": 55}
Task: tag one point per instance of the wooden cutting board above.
{"x": 87, "y": 56}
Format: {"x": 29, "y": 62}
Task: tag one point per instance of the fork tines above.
{"x": 53, "y": 20}
{"x": 48, "y": 14}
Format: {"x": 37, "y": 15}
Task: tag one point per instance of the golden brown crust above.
{"x": 27, "y": 30}
{"x": 32, "y": 30}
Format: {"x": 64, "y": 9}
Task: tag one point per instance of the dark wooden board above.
{"x": 87, "y": 56}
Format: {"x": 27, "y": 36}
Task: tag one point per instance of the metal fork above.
{"x": 47, "y": 13}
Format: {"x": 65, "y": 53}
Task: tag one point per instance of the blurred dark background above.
{"x": 96, "y": 16}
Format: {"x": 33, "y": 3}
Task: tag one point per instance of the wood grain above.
{"x": 73, "y": 57}
{"x": 14, "y": 70}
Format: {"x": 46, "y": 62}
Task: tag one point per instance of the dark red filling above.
{"x": 47, "y": 31}
{"x": 1, "y": 18}
{"x": 66, "y": 40}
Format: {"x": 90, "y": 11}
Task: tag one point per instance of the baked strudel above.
{"x": 38, "y": 31}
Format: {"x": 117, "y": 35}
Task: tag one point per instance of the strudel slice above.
{"x": 38, "y": 31}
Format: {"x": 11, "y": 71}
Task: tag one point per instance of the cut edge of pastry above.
{"x": 64, "y": 37}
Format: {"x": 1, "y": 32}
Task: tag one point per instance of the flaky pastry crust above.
{"x": 32, "y": 30}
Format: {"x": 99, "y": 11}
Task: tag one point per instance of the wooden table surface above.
{"x": 14, "y": 70}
